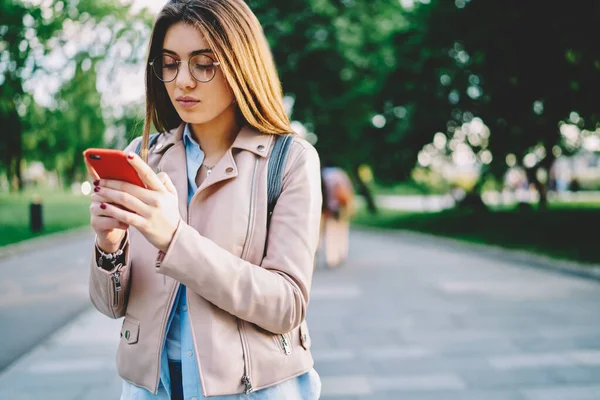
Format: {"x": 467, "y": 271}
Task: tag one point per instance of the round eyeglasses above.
{"x": 202, "y": 67}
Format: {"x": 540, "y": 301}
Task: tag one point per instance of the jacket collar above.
{"x": 252, "y": 140}
{"x": 249, "y": 139}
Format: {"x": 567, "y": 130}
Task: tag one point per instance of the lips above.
{"x": 187, "y": 102}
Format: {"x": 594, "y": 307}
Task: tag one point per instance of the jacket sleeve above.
{"x": 274, "y": 295}
{"x": 103, "y": 284}
{"x": 109, "y": 290}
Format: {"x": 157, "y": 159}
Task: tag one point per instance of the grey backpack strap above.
{"x": 275, "y": 171}
{"x": 151, "y": 143}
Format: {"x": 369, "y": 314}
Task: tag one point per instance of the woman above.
{"x": 214, "y": 305}
{"x": 338, "y": 208}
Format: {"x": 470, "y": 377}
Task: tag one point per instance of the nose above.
{"x": 184, "y": 78}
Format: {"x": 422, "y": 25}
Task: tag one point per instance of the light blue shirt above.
{"x": 179, "y": 344}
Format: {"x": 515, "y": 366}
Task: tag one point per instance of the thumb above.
{"x": 164, "y": 178}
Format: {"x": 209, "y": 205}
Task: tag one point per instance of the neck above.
{"x": 216, "y": 137}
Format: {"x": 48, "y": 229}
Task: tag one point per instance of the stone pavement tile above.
{"x": 544, "y": 345}
{"x": 59, "y": 379}
{"x": 563, "y": 393}
{"x": 345, "y": 386}
{"x": 334, "y": 355}
{"x": 335, "y": 292}
{"x": 91, "y": 350}
{"x": 112, "y": 391}
{"x": 520, "y": 361}
{"x": 76, "y": 362}
{"x": 396, "y": 352}
{"x": 577, "y": 375}
{"x": 436, "y": 365}
{"x": 73, "y": 392}
{"x": 482, "y": 347}
{"x": 346, "y": 339}
{"x": 448, "y": 338}
{"x": 586, "y": 342}
{"x": 491, "y": 379}
{"x": 356, "y": 367}
{"x": 440, "y": 382}
{"x": 446, "y": 395}
{"x": 569, "y": 332}
{"x": 321, "y": 339}
{"x": 586, "y": 357}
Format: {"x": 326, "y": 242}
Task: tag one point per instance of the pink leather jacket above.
{"x": 247, "y": 309}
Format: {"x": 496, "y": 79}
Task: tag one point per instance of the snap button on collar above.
{"x": 229, "y": 170}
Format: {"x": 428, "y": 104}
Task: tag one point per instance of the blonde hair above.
{"x": 237, "y": 39}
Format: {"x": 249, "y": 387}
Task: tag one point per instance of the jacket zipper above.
{"x": 246, "y": 380}
{"x": 116, "y": 285}
{"x": 164, "y": 328}
{"x": 251, "y": 213}
{"x": 285, "y": 344}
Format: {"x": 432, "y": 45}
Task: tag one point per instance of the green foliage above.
{"x": 333, "y": 57}
{"x": 559, "y": 232}
{"x": 57, "y": 133}
{"x": 520, "y": 66}
{"x": 420, "y": 71}
{"x": 60, "y": 211}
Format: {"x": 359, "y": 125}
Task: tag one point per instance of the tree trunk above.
{"x": 364, "y": 190}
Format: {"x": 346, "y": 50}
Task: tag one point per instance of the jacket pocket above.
{"x": 130, "y": 330}
{"x": 284, "y": 342}
{"x": 305, "y": 340}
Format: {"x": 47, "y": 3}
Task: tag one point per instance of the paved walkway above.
{"x": 407, "y": 318}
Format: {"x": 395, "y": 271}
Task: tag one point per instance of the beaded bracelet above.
{"x": 110, "y": 257}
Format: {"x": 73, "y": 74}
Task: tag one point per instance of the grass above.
{"x": 563, "y": 231}
{"x": 61, "y": 211}
{"x": 405, "y": 188}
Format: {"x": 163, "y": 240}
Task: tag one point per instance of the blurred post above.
{"x": 36, "y": 221}
{"x": 364, "y": 178}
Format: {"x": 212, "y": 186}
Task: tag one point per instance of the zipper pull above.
{"x": 247, "y": 383}
{"x": 286, "y": 345}
{"x": 117, "y": 281}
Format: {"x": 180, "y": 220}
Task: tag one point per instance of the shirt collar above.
{"x": 188, "y": 139}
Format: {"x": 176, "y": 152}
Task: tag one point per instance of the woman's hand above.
{"x": 153, "y": 211}
{"x": 109, "y": 231}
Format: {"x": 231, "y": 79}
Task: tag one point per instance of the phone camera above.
{"x": 94, "y": 156}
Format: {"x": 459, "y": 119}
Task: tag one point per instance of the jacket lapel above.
{"x": 173, "y": 163}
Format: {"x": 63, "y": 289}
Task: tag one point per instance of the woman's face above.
{"x": 196, "y": 102}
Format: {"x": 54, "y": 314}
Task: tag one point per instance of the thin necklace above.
{"x": 209, "y": 169}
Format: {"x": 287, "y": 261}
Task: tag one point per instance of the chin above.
{"x": 192, "y": 117}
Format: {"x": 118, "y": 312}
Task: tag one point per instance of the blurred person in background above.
{"x": 214, "y": 301}
{"x": 338, "y": 208}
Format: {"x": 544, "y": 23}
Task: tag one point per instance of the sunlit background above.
{"x": 470, "y": 120}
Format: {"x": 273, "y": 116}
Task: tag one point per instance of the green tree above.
{"x": 333, "y": 57}
{"x": 520, "y": 66}
{"x": 28, "y": 33}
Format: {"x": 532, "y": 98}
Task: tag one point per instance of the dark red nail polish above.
{"x": 96, "y": 182}
{"x": 97, "y": 189}
{"x": 103, "y": 206}
{"x": 130, "y": 156}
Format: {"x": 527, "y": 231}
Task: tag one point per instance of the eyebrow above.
{"x": 193, "y": 53}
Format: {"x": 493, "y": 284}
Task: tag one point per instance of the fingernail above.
{"x": 130, "y": 156}
{"x": 96, "y": 182}
{"x": 103, "y": 206}
{"x": 97, "y": 189}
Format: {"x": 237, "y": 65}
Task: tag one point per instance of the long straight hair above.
{"x": 237, "y": 39}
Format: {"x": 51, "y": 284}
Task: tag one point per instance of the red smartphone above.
{"x": 111, "y": 164}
